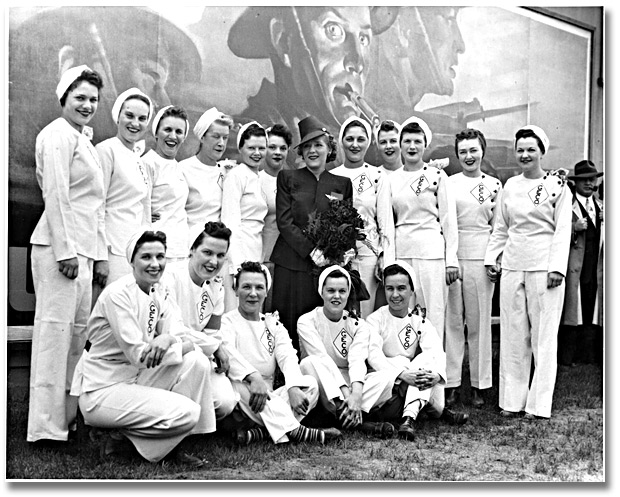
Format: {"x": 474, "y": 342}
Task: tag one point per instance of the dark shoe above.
{"x": 452, "y": 396}
{"x": 379, "y": 429}
{"x": 332, "y": 434}
{"x": 115, "y": 443}
{"x": 455, "y": 417}
{"x": 321, "y": 435}
{"x": 182, "y": 457}
{"x": 476, "y": 398}
{"x": 533, "y": 417}
{"x": 246, "y": 437}
{"x": 407, "y": 428}
{"x": 508, "y": 414}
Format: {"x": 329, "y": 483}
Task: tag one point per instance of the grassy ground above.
{"x": 568, "y": 447}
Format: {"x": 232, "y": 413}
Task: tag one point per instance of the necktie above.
{"x": 591, "y": 211}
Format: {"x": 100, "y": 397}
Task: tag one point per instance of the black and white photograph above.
{"x": 305, "y": 243}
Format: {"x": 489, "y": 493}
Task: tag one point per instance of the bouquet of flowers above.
{"x": 335, "y": 232}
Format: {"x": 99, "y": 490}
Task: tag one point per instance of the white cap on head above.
{"x": 243, "y": 128}
{"x": 542, "y": 136}
{"x": 126, "y": 95}
{"x": 131, "y": 244}
{"x": 408, "y": 269}
{"x": 427, "y": 131}
{"x": 206, "y": 120}
{"x": 158, "y": 116}
{"x": 351, "y": 119}
{"x": 68, "y": 77}
{"x": 376, "y": 130}
{"x": 325, "y": 273}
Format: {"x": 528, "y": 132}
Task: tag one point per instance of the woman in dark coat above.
{"x": 300, "y": 192}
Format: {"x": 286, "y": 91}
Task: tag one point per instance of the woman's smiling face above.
{"x": 132, "y": 121}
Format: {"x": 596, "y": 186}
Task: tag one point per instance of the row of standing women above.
{"x": 459, "y": 234}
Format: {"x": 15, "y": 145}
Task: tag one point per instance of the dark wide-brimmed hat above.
{"x": 250, "y": 38}
{"x": 585, "y": 169}
{"x": 309, "y": 129}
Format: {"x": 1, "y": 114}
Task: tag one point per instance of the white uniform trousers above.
{"x": 119, "y": 267}
{"x": 433, "y": 398}
{"x": 365, "y": 265}
{"x": 469, "y": 302}
{"x": 376, "y": 392}
{"x": 529, "y": 318}
{"x": 59, "y": 335}
{"x": 162, "y": 407}
{"x": 431, "y": 290}
{"x": 224, "y": 396}
{"x": 277, "y": 415}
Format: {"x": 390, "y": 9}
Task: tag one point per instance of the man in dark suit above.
{"x": 581, "y": 325}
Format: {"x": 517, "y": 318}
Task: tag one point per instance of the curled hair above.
{"x": 413, "y": 128}
{"x": 250, "y": 131}
{"x": 149, "y": 236}
{"x": 331, "y": 143}
{"x": 250, "y": 267}
{"x": 528, "y": 133}
{"x": 174, "y": 112}
{"x": 386, "y": 126}
{"x": 282, "y": 131}
{"x": 92, "y": 77}
{"x": 394, "y": 269}
{"x": 215, "y": 229}
{"x": 470, "y": 134}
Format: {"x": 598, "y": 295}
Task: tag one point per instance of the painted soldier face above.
{"x": 339, "y": 42}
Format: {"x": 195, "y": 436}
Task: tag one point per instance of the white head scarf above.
{"x": 542, "y": 136}
{"x": 407, "y": 267}
{"x": 329, "y": 270}
{"x": 351, "y": 119}
{"x": 206, "y": 120}
{"x": 427, "y": 131}
{"x": 376, "y": 130}
{"x": 131, "y": 244}
{"x": 243, "y": 128}
{"x": 158, "y": 116}
{"x": 68, "y": 77}
{"x": 120, "y": 100}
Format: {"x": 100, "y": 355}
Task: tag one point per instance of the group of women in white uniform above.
{"x": 172, "y": 354}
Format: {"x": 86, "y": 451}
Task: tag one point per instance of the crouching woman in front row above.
{"x": 142, "y": 378}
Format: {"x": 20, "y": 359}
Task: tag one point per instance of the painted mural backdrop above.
{"x": 491, "y": 68}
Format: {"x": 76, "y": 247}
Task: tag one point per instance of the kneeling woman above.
{"x": 264, "y": 342}
{"x": 142, "y": 377}
{"x": 334, "y": 349}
